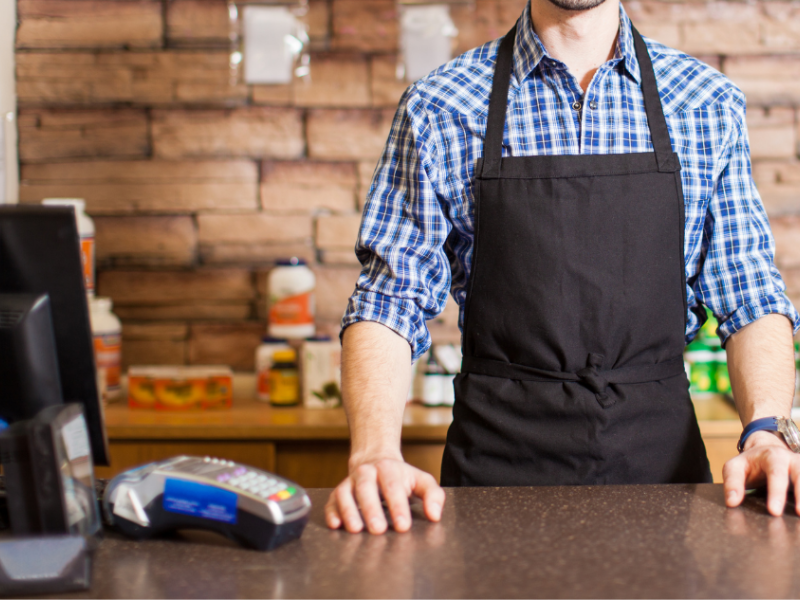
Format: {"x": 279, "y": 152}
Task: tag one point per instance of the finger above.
{"x": 348, "y": 509}
{"x": 395, "y": 492}
{"x": 332, "y": 518}
{"x": 432, "y": 495}
{"x": 366, "y": 488}
{"x": 794, "y": 473}
{"x": 734, "y": 476}
{"x": 777, "y": 470}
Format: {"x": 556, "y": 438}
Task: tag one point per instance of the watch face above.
{"x": 790, "y": 432}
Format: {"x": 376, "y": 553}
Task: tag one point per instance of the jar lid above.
{"x": 79, "y": 203}
{"x": 284, "y": 356}
{"x": 100, "y": 304}
{"x": 291, "y": 262}
{"x": 273, "y": 340}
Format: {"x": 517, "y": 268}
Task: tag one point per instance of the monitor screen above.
{"x": 40, "y": 254}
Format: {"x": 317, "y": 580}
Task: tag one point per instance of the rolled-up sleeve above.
{"x": 405, "y": 276}
{"x": 738, "y": 280}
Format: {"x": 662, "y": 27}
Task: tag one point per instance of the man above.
{"x": 581, "y": 217}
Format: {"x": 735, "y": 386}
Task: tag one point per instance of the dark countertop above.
{"x": 614, "y": 541}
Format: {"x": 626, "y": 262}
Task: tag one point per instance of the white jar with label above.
{"x": 85, "y": 232}
{"x": 107, "y": 335}
{"x": 290, "y": 290}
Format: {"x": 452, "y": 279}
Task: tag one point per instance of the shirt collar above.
{"x": 529, "y": 50}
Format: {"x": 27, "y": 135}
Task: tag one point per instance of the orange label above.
{"x": 107, "y": 356}
{"x": 87, "y": 258}
{"x": 263, "y": 384}
{"x": 293, "y": 310}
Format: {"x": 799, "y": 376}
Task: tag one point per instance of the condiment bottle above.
{"x": 264, "y": 361}
{"x": 107, "y": 335}
{"x": 284, "y": 381}
{"x": 86, "y": 233}
{"x": 434, "y": 381}
{"x": 290, "y": 289}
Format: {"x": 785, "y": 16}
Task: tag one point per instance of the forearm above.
{"x": 761, "y": 367}
{"x": 376, "y": 374}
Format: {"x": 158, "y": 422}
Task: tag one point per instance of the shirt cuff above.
{"x": 398, "y": 314}
{"x": 772, "y": 304}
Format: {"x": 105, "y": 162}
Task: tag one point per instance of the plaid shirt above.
{"x": 422, "y": 187}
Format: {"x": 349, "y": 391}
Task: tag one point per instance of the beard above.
{"x": 576, "y": 4}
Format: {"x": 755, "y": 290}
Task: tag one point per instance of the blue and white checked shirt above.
{"x": 422, "y": 187}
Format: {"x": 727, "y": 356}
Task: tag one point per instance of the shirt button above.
{"x": 593, "y": 105}
{"x": 576, "y": 105}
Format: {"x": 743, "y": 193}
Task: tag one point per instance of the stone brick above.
{"x": 792, "y": 279}
{"x": 782, "y": 35}
{"x": 147, "y": 241}
{"x": 154, "y": 344}
{"x": 155, "y": 331}
{"x": 365, "y": 25}
{"x": 255, "y": 254}
{"x": 766, "y": 172}
{"x": 772, "y": 133}
{"x": 335, "y": 81}
{"x": 335, "y": 285}
{"x": 137, "y": 77}
{"x": 196, "y": 311}
{"x": 721, "y": 37}
{"x": 124, "y": 187}
{"x": 337, "y": 232}
{"x": 348, "y": 135}
{"x": 46, "y": 134}
{"x": 766, "y": 80}
{"x": 338, "y": 257}
{"x": 273, "y": 95}
{"x": 780, "y": 200}
{"x": 226, "y": 344}
{"x": 253, "y": 228}
{"x": 477, "y": 23}
{"x": 318, "y": 20}
{"x": 256, "y": 238}
{"x": 787, "y": 241}
{"x": 89, "y": 23}
{"x": 666, "y": 33}
{"x": 153, "y": 352}
{"x": 386, "y": 87}
{"x": 198, "y": 22}
{"x": 308, "y": 186}
{"x": 258, "y": 132}
{"x": 164, "y": 288}
{"x": 366, "y": 171}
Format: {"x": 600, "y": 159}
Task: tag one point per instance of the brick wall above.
{"x": 196, "y": 185}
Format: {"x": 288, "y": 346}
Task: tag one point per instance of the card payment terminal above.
{"x": 253, "y": 507}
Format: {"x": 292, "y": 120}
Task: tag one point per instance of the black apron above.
{"x": 575, "y": 317}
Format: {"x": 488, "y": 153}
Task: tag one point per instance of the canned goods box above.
{"x": 180, "y": 388}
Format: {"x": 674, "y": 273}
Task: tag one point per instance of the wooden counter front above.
{"x": 312, "y": 446}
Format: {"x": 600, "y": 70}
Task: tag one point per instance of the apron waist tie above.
{"x": 595, "y": 380}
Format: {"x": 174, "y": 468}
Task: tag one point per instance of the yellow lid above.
{"x": 283, "y": 356}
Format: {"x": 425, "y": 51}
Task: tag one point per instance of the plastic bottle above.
{"x": 290, "y": 289}
{"x": 434, "y": 381}
{"x": 264, "y": 361}
{"x": 107, "y": 334}
{"x": 86, "y": 233}
{"x": 284, "y": 380}
{"x": 703, "y": 362}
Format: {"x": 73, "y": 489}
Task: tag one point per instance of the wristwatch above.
{"x": 782, "y": 425}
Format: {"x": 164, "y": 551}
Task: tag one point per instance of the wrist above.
{"x": 366, "y": 456}
{"x": 764, "y": 438}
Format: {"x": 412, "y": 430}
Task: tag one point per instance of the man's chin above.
{"x": 576, "y": 5}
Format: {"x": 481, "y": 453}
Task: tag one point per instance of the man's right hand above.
{"x": 357, "y": 500}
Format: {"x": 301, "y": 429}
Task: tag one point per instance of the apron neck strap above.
{"x": 498, "y": 105}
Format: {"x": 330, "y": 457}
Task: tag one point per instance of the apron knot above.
{"x": 594, "y": 381}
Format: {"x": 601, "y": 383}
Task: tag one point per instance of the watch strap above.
{"x": 765, "y": 424}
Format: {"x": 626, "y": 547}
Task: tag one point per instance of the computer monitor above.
{"x": 40, "y": 254}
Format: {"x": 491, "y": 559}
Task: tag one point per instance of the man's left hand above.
{"x": 765, "y": 459}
